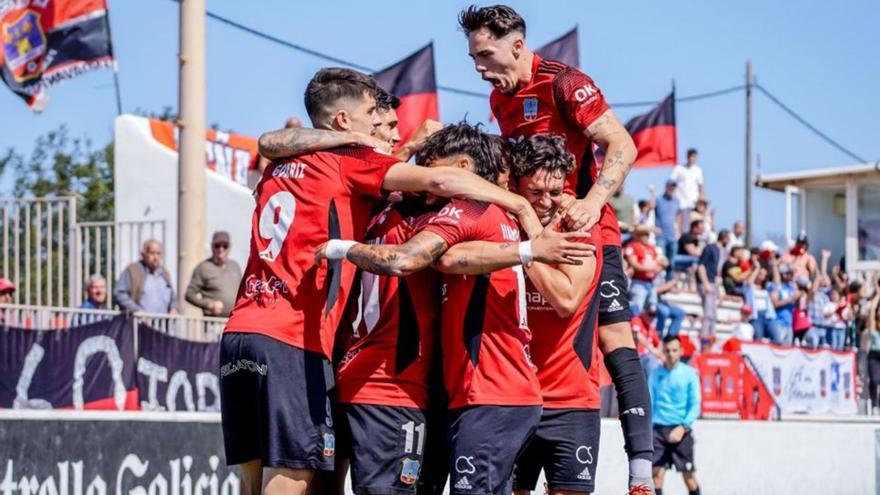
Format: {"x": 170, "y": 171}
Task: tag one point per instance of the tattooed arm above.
{"x": 394, "y": 259}
{"x": 620, "y": 153}
{"x": 285, "y": 143}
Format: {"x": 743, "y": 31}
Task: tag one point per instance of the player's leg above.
{"x": 690, "y": 480}
{"x": 624, "y": 366}
{"x": 286, "y": 481}
{"x": 682, "y": 455}
{"x": 251, "y": 476}
{"x": 530, "y": 462}
{"x": 658, "y": 474}
{"x": 662, "y": 457}
{"x": 573, "y": 455}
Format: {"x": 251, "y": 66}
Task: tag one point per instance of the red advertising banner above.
{"x": 721, "y": 384}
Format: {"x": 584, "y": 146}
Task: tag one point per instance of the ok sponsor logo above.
{"x": 584, "y": 93}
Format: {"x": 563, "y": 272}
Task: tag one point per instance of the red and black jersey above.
{"x": 566, "y": 350}
{"x": 559, "y": 99}
{"x": 301, "y": 203}
{"x": 390, "y": 348}
{"x": 484, "y": 327}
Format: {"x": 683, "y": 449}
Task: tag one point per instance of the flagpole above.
{"x": 748, "y": 198}
{"x": 113, "y": 56}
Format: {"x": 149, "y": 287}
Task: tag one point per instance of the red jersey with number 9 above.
{"x": 484, "y": 324}
{"x": 301, "y": 203}
{"x": 559, "y": 99}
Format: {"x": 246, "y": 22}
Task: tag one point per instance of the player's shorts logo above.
{"x": 465, "y": 465}
{"x": 409, "y": 470}
{"x": 608, "y": 289}
{"x": 584, "y": 454}
{"x": 530, "y": 108}
{"x": 24, "y": 46}
{"x": 329, "y": 445}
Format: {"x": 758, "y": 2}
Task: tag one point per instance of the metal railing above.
{"x": 192, "y": 328}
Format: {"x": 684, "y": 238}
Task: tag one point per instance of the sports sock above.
{"x": 695, "y": 492}
{"x": 634, "y": 402}
{"x": 658, "y": 491}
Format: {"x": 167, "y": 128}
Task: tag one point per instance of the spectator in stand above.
{"x": 668, "y": 312}
{"x": 839, "y": 314}
{"x": 647, "y": 341}
{"x": 214, "y": 282}
{"x": 870, "y": 341}
{"x": 867, "y": 250}
{"x": 707, "y": 275}
{"x": 801, "y": 322}
{"x": 802, "y": 262}
{"x": 646, "y": 265}
{"x": 625, "y": 209}
{"x": 689, "y": 247}
{"x": 145, "y": 285}
{"x": 96, "y": 293}
{"x": 702, "y": 212}
{"x": 7, "y": 291}
{"x": 785, "y": 295}
{"x": 689, "y": 181}
{"x": 767, "y": 254}
{"x": 738, "y": 234}
{"x": 763, "y": 313}
{"x": 675, "y": 402}
{"x": 666, "y": 211}
{"x": 645, "y": 216}
{"x": 735, "y": 271}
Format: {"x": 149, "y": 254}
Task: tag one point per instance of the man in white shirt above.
{"x": 689, "y": 182}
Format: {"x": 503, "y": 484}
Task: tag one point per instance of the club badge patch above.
{"x": 329, "y": 445}
{"x": 409, "y": 470}
{"x": 530, "y": 108}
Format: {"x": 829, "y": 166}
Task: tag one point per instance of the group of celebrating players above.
{"x": 443, "y": 319}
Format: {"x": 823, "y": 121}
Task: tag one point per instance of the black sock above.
{"x": 634, "y": 401}
{"x": 695, "y": 492}
{"x": 658, "y": 491}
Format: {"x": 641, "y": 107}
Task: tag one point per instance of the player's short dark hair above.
{"x": 386, "y": 101}
{"x": 541, "y": 152}
{"x": 671, "y": 338}
{"x": 331, "y": 84}
{"x": 691, "y": 152}
{"x": 485, "y": 150}
{"x": 500, "y": 20}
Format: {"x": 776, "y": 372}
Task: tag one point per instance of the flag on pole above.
{"x": 563, "y": 49}
{"x": 45, "y": 42}
{"x": 655, "y": 136}
{"x": 412, "y": 80}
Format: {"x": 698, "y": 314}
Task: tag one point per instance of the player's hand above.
{"x": 418, "y": 138}
{"x": 528, "y": 220}
{"x": 321, "y": 253}
{"x": 676, "y": 434}
{"x": 554, "y": 247}
{"x": 582, "y": 215}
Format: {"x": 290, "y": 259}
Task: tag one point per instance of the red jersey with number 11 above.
{"x": 301, "y": 203}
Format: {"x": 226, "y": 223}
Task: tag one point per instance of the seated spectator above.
{"x": 7, "y": 291}
{"x": 624, "y": 207}
{"x": 743, "y": 330}
{"x": 646, "y": 265}
{"x": 689, "y": 247}
{"x": 801, "y": 262}
{"x": 145, "y": 285}
{"x": 785, "y": 295}
{"x": 763, "y": 313}
{"x": 737, "y": 235}
{"x": 702, "y": 212}
{"x": 96, "y": 293}
{"x": 667, "y": 215}
{"x": 668, "y": 312}
{"x": 707, "y": 275}
{"x": 214, "y": 282}
{"x": 767, "y": 253}
{"x": 647, "y": 340}
{"x": 735, "y": 271}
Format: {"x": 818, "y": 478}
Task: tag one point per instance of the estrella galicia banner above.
{"x": 120, "y": 456}
{"x": 83, "y": 367}
{"x": 47, "y": 41}
{"x": 175, "y": 374}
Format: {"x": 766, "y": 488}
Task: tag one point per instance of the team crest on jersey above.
{"x": 24, "y": 46}
{"x": 329, "y": 445}
{"x": 530, "y": 108}
{"x": 409, "y": 470}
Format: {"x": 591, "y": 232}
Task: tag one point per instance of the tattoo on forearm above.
{"x": 594, "y": 128}
{"x": 374, "y": 259}
{"x": 417, "y": 253}
{"x": 290, "y": 142}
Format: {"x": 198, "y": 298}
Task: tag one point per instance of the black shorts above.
{"x": 275, "y": 405}
{"x": 435, "y": 463}
{"x": 613, "y": 288}
{"x": 680, "y": 455}
{"x": 484, "y": 443}
{"x": 566, "y": 447}
{"x": 385, "y": 445}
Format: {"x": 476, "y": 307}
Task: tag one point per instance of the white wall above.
{"x": 146, "y": 189}
{"x": 826, "y": 229}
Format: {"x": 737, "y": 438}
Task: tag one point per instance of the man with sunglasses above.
{"x": 214, "y": 282}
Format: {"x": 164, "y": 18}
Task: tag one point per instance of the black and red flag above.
{"x": 655, "y": 136}
{"x": 48, "y": 41}
{"x": 412, "y": 80}
{"x": 563, "y": 49}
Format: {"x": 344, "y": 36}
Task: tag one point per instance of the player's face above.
{"x": 360, "y": 115}
{"x": 495, "y": 58}
{"x": 672, "y": 352}
{"x": 387, "y": 129}
{"x": 460, "y": 161}
{"x": 543, "y": 190}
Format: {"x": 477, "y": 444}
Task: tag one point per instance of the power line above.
{"x": 809, "y": 126}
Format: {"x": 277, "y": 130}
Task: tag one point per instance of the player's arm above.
{"x": 285, "y": 143}
{"x": 451, "y": 182}
{"x": 550, "y": 246}
{"x": 565, "y": 286}
{"x": 620, "y": 153}
{"x": 399, "y": 260}
{"x": 417, "y": 140}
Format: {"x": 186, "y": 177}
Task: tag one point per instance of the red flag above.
{"x": 412, "y": 80}
{"x": 48, "y": 41}
{"x": 655, "y": 136}
{"x": 563, "y": 49}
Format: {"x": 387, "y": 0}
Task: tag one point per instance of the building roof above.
{"x": 819, "y": 176}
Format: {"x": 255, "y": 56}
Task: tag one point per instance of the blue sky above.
{"x": 819, "y": 58}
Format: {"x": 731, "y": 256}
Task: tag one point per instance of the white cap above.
{"x": 769, "y": 245}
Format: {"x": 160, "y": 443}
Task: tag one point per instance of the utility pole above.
{"x": 748, "y": 218}
{"x": 191, "y": 172}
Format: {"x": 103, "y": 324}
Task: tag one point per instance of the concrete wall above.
{"x": 826, "y": 229}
